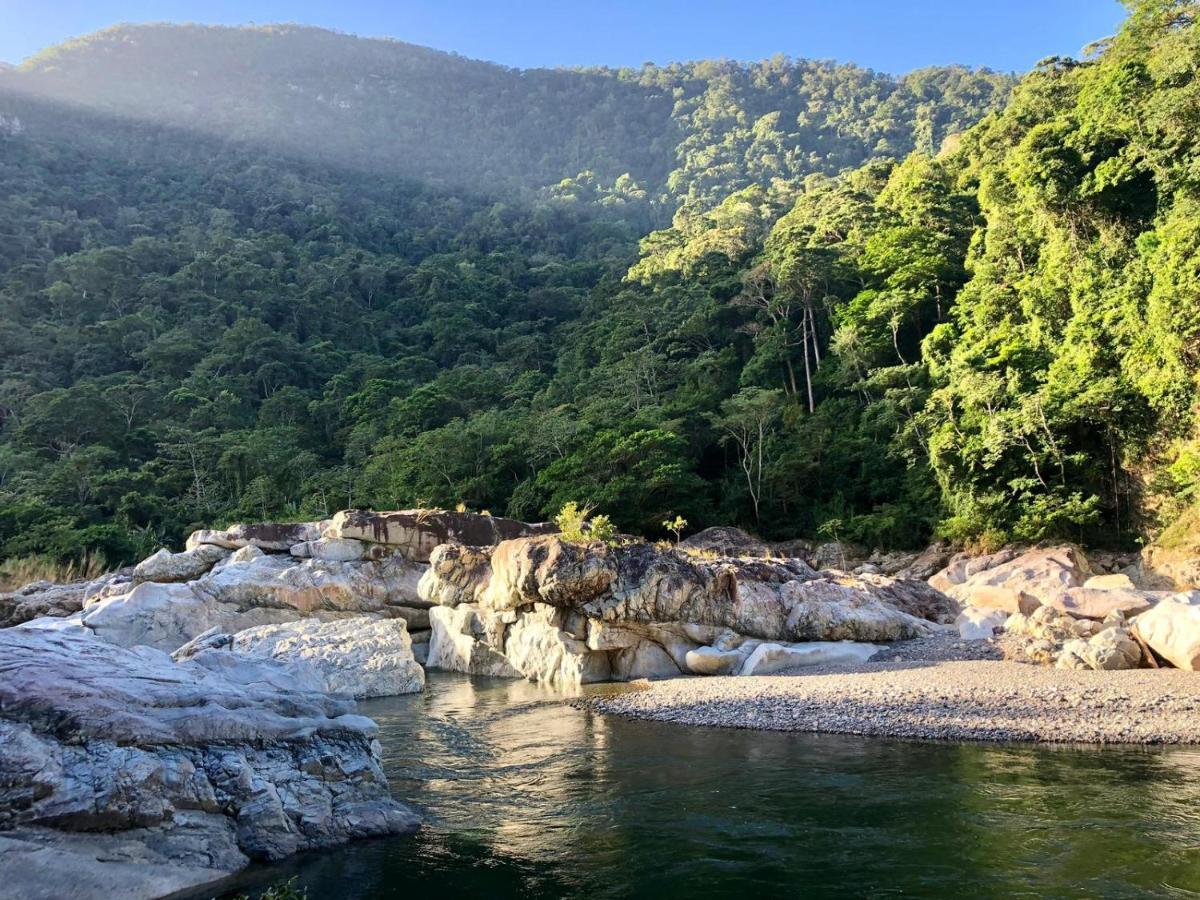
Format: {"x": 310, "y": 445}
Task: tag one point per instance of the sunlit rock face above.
{"x": 1172, "y": 630}
{"x": 360, "y": 657}
{"x": 1014, "y": 581}
{"x": 128, "y": 774}
{"x": 569, "y": 613}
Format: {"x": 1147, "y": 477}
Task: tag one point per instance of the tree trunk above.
{"x": 812, "y": 407}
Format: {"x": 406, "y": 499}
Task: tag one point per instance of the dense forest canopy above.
{"x": 250, "y": 273}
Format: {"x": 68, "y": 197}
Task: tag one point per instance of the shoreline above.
{"x": 982, "y": 700}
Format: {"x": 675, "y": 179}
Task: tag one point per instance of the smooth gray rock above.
{"x": 360, "y": 657}
{"x": 247, "y": 590}
{"x": 123, "y": 773}
{"x": 46, "y": 599}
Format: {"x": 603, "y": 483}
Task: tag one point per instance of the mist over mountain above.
{"x": 681, "y": 131}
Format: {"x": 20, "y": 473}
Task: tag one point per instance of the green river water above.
{"x": 526, "y": 797}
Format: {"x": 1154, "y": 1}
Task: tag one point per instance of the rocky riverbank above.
{"x": 164, "y": 725}
{"x": 961, "y": 700}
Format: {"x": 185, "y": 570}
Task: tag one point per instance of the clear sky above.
{"x": 889, "y": 35}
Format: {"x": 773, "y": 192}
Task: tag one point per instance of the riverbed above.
{"x": 525, "y": 796}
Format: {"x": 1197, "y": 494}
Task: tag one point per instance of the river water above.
{"x": 526, "y": 797}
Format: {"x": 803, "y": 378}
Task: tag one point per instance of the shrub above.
{"x": 577, "y": 525}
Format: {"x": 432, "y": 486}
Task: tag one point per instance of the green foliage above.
{"x": 864, "y": 317}
{"x": 577, "y": 525}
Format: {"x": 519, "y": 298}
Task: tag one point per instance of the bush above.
{"x": 577, "y": 525}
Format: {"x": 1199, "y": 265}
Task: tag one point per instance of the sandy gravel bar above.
{"x": 963, "y": 700}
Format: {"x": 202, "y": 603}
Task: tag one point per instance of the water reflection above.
{"x": 524, "y": 797}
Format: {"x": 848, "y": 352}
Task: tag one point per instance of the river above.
{"x": 524, "y": 796}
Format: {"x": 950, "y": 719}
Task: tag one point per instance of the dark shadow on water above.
{"x": 524, "y": 796}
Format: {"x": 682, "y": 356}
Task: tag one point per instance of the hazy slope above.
{"x": 685, "y": 130}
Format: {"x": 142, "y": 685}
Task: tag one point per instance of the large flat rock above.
{"x": 123, "y": 773}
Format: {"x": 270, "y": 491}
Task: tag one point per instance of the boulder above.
{"x": 162, "y": 616}
{"x": 837, "y": 555}
{"x": 314, "y": 585}
{"x": 416, "y": 532}
{"x": 825, "y": 611}
{"x": 570, "y": 613}
{"x": 714, "y": 661}
{"x": 46, "y": 599}
{"x": 249, "y": 589}
{"x": 541, "y": 650}
{"x": 640, "y": 584}
{"x": 998, "y": 597}
{"x": 130, "y": 775}
{"x": 1171, "y": 628}
{"x": 271, "y": 536}
{"x": 1040, "y": 636}
{"x": 645, "y": 659}
{"x": 247, "y": 554}
{"x": 359, "y": 657}
{"x": 1110, "y": 650}
{"x": 1014, "y": 581}
{"x": 1098, "y": 603}
{"x": 456, "y": 574}
{"x": 978, "y": 624}
{"x": 890, "y": 563}
{"x": 187, "y": 566}
{"x": 722, "y": 540}
{"x": 927, "y": 563}
{"x": 767, "y": 658}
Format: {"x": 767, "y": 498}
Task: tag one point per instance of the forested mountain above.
{"x": 274, "y": 272}
{"x": 659, "y": 133}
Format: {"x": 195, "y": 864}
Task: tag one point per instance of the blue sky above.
{"x": 889, "y": 35}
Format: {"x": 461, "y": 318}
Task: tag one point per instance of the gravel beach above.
{"x": 926, "y": 690}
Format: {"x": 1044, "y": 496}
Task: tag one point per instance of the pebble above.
{"x": 939, "y": 689}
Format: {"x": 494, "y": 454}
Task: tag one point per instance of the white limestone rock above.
{"x": 542, "y": 651}
{"x": 1110, "y": 650}
{"x": 162, "y": 616}
{"x": 1013, "y": 581}
{"x": 360, "y": 657}
{"x": 976, "y": 624}
{"x": 713, "y": 661}
{"x": 41, "y": 599}
{"x": 165, "y": 566}
{"x": 1099, "y": 603}
{"x": 458, "y": 643}
{"x": 767, "y": 657}
{"x": 1172, "y": 629}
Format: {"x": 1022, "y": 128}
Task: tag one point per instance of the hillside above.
{"x": 682, "y": 131}
{"x": 223, "y": 297}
